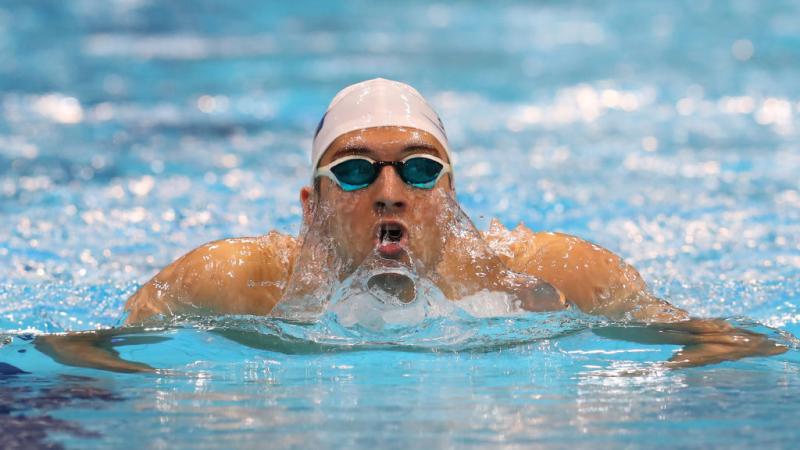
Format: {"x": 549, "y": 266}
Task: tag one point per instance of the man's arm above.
{"x": 95, "y": 349}
{"x": 592, "y": 278}
{"x": 232, "y": 276}
{"x": 599, "y": 282}
{"x": 705, "y": 341}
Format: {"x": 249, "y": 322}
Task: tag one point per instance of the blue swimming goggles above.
{"x": 355, "y": 172}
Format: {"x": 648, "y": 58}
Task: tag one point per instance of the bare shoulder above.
{"x": 264, "y": 257}
{"x": 592, "y": 277}
{"x": 527, "y": 251}
{"x": 237, "y": 276}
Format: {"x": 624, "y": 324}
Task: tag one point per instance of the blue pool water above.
{"x": 132, "y": 131}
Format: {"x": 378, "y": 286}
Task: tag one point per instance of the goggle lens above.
{"x": 420, "y": 172}
{"x": 354, "y": 174}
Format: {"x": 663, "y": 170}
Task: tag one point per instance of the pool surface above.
{"x": 132, "y": 131}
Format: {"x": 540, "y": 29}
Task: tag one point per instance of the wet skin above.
{"x": 249, "y": 275}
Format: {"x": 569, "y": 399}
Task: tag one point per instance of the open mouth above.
{"x": 392, "y": 237}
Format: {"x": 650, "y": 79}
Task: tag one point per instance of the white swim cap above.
{"x": 376, "y": 103}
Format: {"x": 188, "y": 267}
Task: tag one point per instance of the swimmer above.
{"x": 382, "y": 187}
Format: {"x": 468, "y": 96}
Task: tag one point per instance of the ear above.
{"x": 307, "y": 199}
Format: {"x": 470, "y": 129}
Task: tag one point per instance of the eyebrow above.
{"x": 356, "y": 149}
{"x": 351, "y": 150}
{"x": 421, "y": 147}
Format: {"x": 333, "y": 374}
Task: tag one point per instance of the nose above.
{"x": 390, "y": 196}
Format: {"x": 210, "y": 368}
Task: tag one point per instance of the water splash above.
{"x": 444, "y": 262}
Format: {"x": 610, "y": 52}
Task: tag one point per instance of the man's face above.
{"x": 389, "y": 216}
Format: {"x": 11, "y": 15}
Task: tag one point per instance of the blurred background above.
{"x": 132, "y": 131}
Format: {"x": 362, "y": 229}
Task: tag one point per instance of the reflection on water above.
{"x": 515, "y": 380}
{"x": 29, "y": 404}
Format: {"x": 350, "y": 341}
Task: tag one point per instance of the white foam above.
{"x": 355, "y": 304}
{"x": 485, "y": 304}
